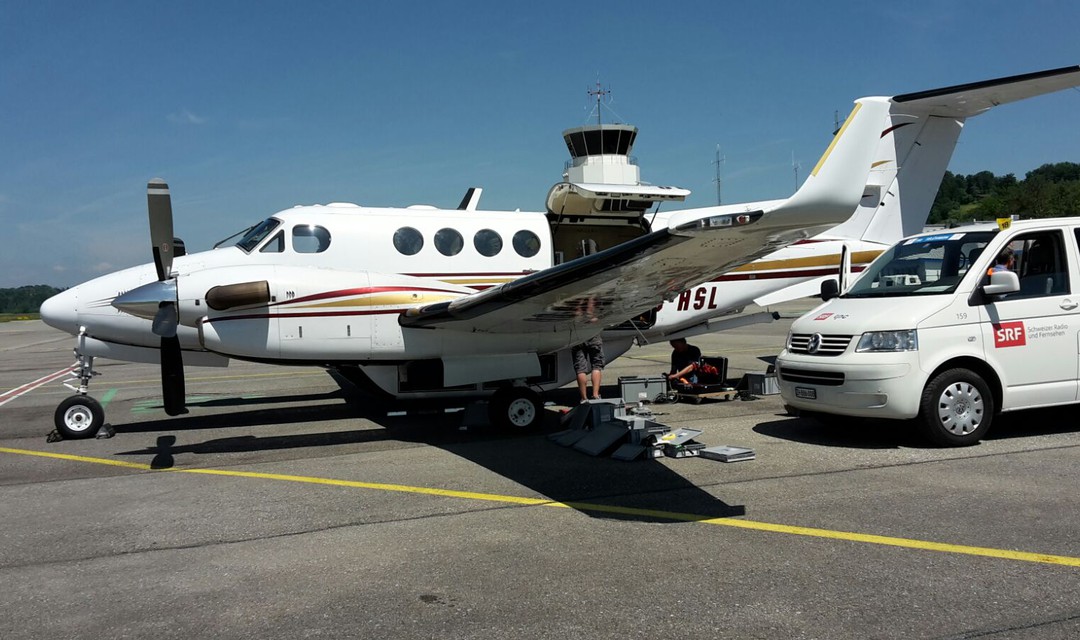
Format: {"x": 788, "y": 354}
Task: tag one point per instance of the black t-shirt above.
{"x": 680, "y": 359}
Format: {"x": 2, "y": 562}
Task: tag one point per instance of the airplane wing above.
{"x": 584, "y": 295}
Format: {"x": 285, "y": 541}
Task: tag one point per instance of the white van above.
{"x": 927, "y": 332}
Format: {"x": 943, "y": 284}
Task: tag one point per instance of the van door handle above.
{"x": 1069, "y": 305}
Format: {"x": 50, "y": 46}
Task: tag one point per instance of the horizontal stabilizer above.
{"x": 965, "y": 100}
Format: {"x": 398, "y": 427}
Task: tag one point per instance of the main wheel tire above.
{"x": 79, "y": 417}
{"x": 517, "y": 408}
{"x": 956, "y": 409}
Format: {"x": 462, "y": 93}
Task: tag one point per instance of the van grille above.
{"x": 809, "y": 376}
{"x": 829, "y": 346}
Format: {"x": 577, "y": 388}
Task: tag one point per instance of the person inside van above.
{"x": 1005, "y": 261}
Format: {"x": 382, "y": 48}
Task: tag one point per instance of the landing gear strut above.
{"x": 79, "y": 416}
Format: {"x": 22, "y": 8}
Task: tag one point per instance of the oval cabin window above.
{"x": 487, "y": 242}
{"x": 408, "y": 241}
{"x": 310, "y": 238}
{"x": 526, "y": 243}
{"x": 449, "y": 242}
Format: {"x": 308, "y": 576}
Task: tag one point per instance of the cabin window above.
{"x": 526, "y": 243}
{"x": 487, "y": 242}
{"x": 275, "y": 245}
{"x": 310, "y": 238}
{"x": 449, "y": 242}
{"x": 408, "y": 241}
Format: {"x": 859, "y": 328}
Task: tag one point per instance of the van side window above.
{"x": 310, "y": 238}
{"x": 1041, "y": 264}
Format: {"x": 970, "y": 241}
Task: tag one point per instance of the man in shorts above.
{"x": 589, "y": 363}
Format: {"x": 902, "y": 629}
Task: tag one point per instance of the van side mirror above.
{"x": 830, "y": 289}
{"x": 1002, "y": 282}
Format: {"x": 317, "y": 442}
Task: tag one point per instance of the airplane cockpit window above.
{"x": 257, "y": 234}
{"x": 487, "y": 242}
{"x": 275, "y": 244}
{"x": 526, "y": 243}
{"x": 449, "y": 242}
{"x": 310, "y": 238}
{"x": 408, "y": 241}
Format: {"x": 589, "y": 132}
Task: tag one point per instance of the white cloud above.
{"x": 186, "y": 117}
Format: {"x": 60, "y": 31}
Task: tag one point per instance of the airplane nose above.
{"x": 59, "y": 312}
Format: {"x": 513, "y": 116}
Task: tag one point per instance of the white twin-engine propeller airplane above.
{"x": 420, "y": 302}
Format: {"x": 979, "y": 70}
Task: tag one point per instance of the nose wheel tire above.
{"x": 79, "y": 417}
{"x": 517, "y": 408}
{"x": 957, "y": 408}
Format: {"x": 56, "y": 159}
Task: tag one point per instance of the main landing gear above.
{"x": 517, "y": 408}
{"x": 79, "y": 416}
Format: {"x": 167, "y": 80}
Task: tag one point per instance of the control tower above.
{"x": 601, "y": 201}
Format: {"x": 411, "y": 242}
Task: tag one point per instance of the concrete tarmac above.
{"x": 284, "y": 506}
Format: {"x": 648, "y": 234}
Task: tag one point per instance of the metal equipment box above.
{"x": 762, "y": 384}
{"x": 641, "y": 388}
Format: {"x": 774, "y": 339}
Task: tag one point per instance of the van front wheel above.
{"x": 956, "y": 408}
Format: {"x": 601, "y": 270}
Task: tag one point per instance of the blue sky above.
{"x": 249, "y": 108}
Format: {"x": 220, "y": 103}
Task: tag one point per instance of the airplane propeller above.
{"x": 159, "y": 206}
{"x": 159, "y": 301}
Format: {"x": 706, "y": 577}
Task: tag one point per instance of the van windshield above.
{"x": 925, "y": 265}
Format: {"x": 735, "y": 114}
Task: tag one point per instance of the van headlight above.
{"x": 888, "y": 341}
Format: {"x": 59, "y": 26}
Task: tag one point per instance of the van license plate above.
{"x": 805, "y": 394}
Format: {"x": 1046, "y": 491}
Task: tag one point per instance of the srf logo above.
{"x": 823, "y": 316}
{"x": 1009, "y": 334}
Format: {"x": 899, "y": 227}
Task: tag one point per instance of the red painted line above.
{"x": 8, "y": 396}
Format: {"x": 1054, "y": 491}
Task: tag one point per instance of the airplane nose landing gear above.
{"x": 80, "y": 416}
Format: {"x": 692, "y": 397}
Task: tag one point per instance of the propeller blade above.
{"x": 166, "y": 320}
{"x": 172, "y": 376}
{"x": 159, "y": 205}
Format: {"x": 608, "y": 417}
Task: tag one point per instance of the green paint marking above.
{"x": 107, "y": 398}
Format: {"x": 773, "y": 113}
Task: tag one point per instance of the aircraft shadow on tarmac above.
{"x": 859, "y": 433}
{"x": 529, "y": 459}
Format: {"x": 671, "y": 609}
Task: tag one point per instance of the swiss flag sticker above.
{"x": 1009, "y": 334}
{"x": 823, "y": 316}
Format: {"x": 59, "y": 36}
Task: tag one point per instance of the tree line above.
{"x": 1051, "y": 191}
{"x": 26, "y": 299}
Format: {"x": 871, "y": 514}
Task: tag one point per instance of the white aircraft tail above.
{"x": 918, "y": 134}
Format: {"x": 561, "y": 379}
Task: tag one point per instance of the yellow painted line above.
{"x": 848, "y": 536}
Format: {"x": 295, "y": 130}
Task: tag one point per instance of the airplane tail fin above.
{"x": 919, "y": 132}
{"x": 837, "y": 178}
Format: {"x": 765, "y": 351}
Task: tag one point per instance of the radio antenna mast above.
{"x": 600, "y": 94}
{"x": 718, "y": 180}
